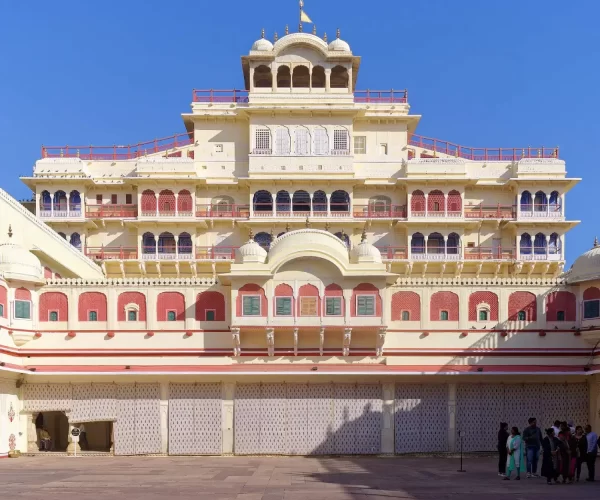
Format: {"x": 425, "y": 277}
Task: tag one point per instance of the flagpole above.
{"x": 301, "y": 3}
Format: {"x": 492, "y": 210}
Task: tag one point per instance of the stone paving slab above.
{"x": 272, "y": 478}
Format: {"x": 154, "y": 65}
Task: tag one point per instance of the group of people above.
{"x": 565, "y": 448}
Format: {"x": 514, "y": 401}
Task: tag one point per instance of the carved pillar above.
{"x": 176, "y": 205}
{"x": 387, "y": 432}
{"x": 452, "y": 430}
{"x": 164, "y": 417}
{"x": 251, "y": 78}
{"x": 52, "y": 204}
{"x": 32, "y": 440}
{"x": 327, "y": 79}
{"x": 228, "y": 399}
{"x": 328, "y": 204}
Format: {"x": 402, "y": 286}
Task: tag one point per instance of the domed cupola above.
{"x": 586, "y": 267}
{"x": 339, "y": 45}
{"x": 262, "y": 44}
{"x": 18, "y": 263}
{"x": 251, "y": 252}
{"x": 364, "y": 252}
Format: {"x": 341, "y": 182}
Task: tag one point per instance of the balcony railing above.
{"x": 182, "y": 252}
{"x": 215, "y": 253}
{"x": 110, "y": 211}
{"x": 490, "y": 211}
{"x": 433, "y": 253}
{"x": 111, "y": 253}
{"x": 393, "y": 253}
{"x": 115, "y": 152}
{"x": 166, "y": 213}
{"x": 301, "y": 210}
{"x": 552, "y": 254}
{"x": 379, "y": 211}
{"x": 241, "y": 96}
{"x": 220, "y": 96}
{"x": 542, "y": 211}
{"x": 479, "y": 154}
{"x": 489, "y": 253}
{"x": 223, "y": 211}
{"x": 381, "y": 96}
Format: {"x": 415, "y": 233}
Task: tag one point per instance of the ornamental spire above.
{"x": 10, "y": 233}
{"x": 363, "y": 236}
{"x": 596, "y": 242}
{"x": 251, "y": 234}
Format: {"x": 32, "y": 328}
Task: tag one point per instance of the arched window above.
{"x": 554, "y": 244}
{"x": 222, "y": 206}
{"x": 340, "y": 201}
{"x": 184, "y": 244}
{"x": 539, "y": 244}
{"x": 148, "y": 202}
{"x": 454, "y": 203}
{"x": 128, "y": 302}
{"x": 263, "y": 201}
{"x": 263, "y": 239}
{"x": 60, "y": 201}
{"x": 554, "y": 201}
{"x": 53, "y": 316}
{"x": 301, "y": 77}
{"x": 436, "y": 202}
{"x": 301, "y": 202}
{"x": 75, "y": 200}
{"x": 540, "y": 202}
{"x": 526, "y": 202}
{"x": 525, "y": 245}
{"x": 521, "y": 315}
{"x": 444, "y": 316}
{"x": 283, "y": 77}
{"x": 282, "y": 141}
{"x": 184, "y": 203}
{"x": 560, "y": 315}
{"x": 435, "y": 244}
{"x": 380, "y": 205}
{"x": 45, "y": 201}
{"x": 417, "y": 203}
{"x": 417, "y": 244}
{"x": 283, "y": 201}
{"x": 263, "y": 77}
{"x": 339, "y": 78}
{"x": 76, "y": 240}
{"x": 344, "y": 237}
{"x": 148, "y": 243}
{"x": 321, "y": 141}
{"x": 318, "y": 77}
{"x": 132, "y": 315}
{"x": 319, "y": 203}
{"x": 302, "y": 139}
{"x": 453, "y": 244}
{"x": 92, "y": 316}
{"x": 166, "y": 243}
{"x": 166, "y": 202}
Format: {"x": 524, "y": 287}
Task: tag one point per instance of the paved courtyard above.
{"x": 270, "y": 478}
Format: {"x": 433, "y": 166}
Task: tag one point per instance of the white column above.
{"x": 51, "y": 204}
{"x": 547, "y": 246}
{"x": 426, "y": 237}
{"x": 68, "y": 195}
{"x": 503, "y": 306}
{"x": 73, "y": 308}
{"x": 164, "y": 417}
{"x": 38, "y": 205}
{"x": 387, "y": 432}
{"x": 518, "y": 245}
{"x": 151, "y": 314}
{"x": 82, "y": 197}
{"x": 32, "y": 444}
{"x": 347, "y": 305}
{"x": 251, "y": 78}
{"x": 176, "y": 236}
{"x": 328, "y": 204}
{"x": 176, "y": 207}
{"x": 425, "y": 299}
{"x": 518, "y": 204}
{"x": 156, "y": 198}
{"x": 228, "y": 399}
{"x": 311, "y": 204}
{"x": 445, "y": 204}
{"x": 445, "y": 243}
{"x": 541, "y": 307}
{"x": 426, "y": 202}
{"x": 251, "y": 205}
{"x": 452, "y": 430}
{"x": 463, "y": 307}
{"x": 274, "y": 68}
{"x": 327, "y": 79}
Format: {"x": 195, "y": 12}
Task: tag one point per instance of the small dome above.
{"x": 586, "y": 267}
{"x": 251, "y": 252}
{"x": 339, "y": 45}
{"x": 365, "y": 252}
{"x": 262, "y": 44}
{"x": 18, "y": 263}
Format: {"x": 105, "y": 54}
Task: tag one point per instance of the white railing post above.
{"x": 328, "y": 204}
{"x": 311, "y": 205}
{"x": 445, "y": 246}
{"x": 426, "y": 250}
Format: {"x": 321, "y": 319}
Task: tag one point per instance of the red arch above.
{"x": 170, "y": 301}
{"x": 92, "y": 301}
{"x": 406, "y": 301}
{"x": 149, "y": 201}
{"x": 308, "y": 290}
{"x": 22, "y": 294}
{"x": 166, "y": 202}
{"x": 417, "y": 201}
{"x": 366, "y": 289}
{"x": 522, "y": 301}
{"x": 436, "y": 196}
{"x": 136, "y": 298}
{"x": 210, "y": 300}
{"x": 283, "y": 290}
{"x": 184, "y": 201}
{"x": 334, "y": 290}
{"x": 443, "y": 301}
{"x": 591, "y": 293}
{"x": 489, "y": 298}
{"x": 53, "y": 301}
{"x": 4, "y": 301}
{"x": 454, "y": 201}
{"x": 561, "y": 301}
{"x": 251, "y": 289}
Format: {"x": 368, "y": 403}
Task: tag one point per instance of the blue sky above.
{"x": 493, "y": 73}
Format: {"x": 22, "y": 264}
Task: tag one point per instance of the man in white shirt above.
{"x": 556, "y": 427}
{"x": 592, "y": 452}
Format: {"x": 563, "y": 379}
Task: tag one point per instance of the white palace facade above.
{"x": 297, "y": 273}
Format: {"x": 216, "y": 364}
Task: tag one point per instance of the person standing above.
{"x": 516, "y": 454}
{"x": 39, "y": 425}
{"x": 564, "y": 457}
{"x": 83, "y": 442}
{"x": 550, "y": 457}
{"x": 571, "y": 425}
{"x": 592, "y": 452}
{"x": 556, "y": 428}
{"x": 532, "y": 436}
{"x": 503, "y": 455}
{"x": 578, "y": 446}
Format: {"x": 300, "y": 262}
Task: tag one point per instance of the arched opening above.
{"x": 263, "y": 201}
{"x": 340, "y": 202}
{"x": 318, "y": 77}
{"x": 283, "y": 202}
{"x": 301, "y": 202}
{"x": 76, "y": 240}
{"x": 380, "y": 206}
{"x": 554, "y": 244}
{"x": 56, "y": 427}
{"x": 526, "y": 202}
{"x": 525, "y": 244}
{"x": 263, "y": 239}
{"x": 184, "y": 244}
{"x": 45, "y": 201}
{"x": 436, "y": 203}
{"x": 75, "y": 201}
{"x": 166, "y": 202}
{"x": 60, "y": 201}
{"x": 263, "y": 77}
{"x": 435, "y": 244}
{"x": 339, "y": 78}
{"x": 148, "y": 202}
{"x": 284, "y": 78}
{"x": 453, "y": 244}
{"x": 148, "y": 244}
{"x": 302, "y": 140}
{"x": 454, "y": 203}
{"x": 166, "y": 244}
{"x": 283, "y": 141}
{"x": 417, "y": 244}
{"x": 344, "y": 237}
{"x": 319, "y": 203}
{"x": 540, "y": 202}
{"x": 417, "y": 203}
{"x": 184, "y": 203}
{"x": 554, "y": 201}
{"x": 539, "y": 244}
{"x": 301, "y": 77}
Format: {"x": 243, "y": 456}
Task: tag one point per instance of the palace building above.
{"x": 298, "y": 272}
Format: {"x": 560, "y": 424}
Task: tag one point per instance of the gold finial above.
{"x": 276, "y": 36}
{"x": 539, "y": 153}
{"x": 307, "y": 223}
{"x": 325, "y": 37}
{"x": 300, "y": 27}
{"x": 595, "y": 240}
{"x": 363, "y": 236}
{"x": 10, "y": 233}
{"x": 287, "y": 29}
{"x": 78, "y": 153}
{"x": 523, "y": 153}
{"x": 314, "y": 29}
{"x": 62, "y": 153}
{"x": 251, "y": 234}
{"x": 327, "y": 226}
{"x": 262, "y": 33}
{"x": 338, "y": 33}
{"x": 287, "y": 227}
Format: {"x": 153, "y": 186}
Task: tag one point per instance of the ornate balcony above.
{"x": 223, "y": 211}
{"x": 374, "y": 211}
{"x": 489, "y": 253}
{"x": 110, "y": 211}
{"x": 112, "y": 253}
{"x": 503, "y": 212}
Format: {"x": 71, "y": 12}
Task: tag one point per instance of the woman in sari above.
{"x": 516, "y": 457}
{"x": 578, "y": 445}
{"x": 551, "y": 456}
{"x": 565, "y": 458}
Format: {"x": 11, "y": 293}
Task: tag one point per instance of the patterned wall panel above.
{"x": 273, "y": 435}
{"x": 468, "y": 416}
{"x": 247, "y": 414}
{"x": 344, "y": 418}
{"x": 320, "y": 413}
{"x": 124, "y": 428}
{"x": 182, "y": 435}
{"x": 81, "y": 403}
{"x": 407, "y": 418}
{"x": 208, "y": 416}
{"x": 103, "y": 404}
{"x": 47, "y": 397}
{"x": 297, "y": 419}
{"x": 368, "y": 408}
{"x": 147, "y": 419}
{"x": 434, "y": 417}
